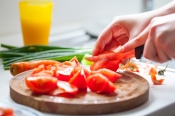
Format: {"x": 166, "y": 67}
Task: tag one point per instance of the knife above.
{"x": 139, "y": 51}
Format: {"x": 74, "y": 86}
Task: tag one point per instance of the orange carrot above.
{"x": 152, "y": 71}
{"x": 19, "y": 67}
{"x": 155, "y": 80}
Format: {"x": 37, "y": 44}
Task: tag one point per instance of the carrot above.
{"x": 19, "y": 67}
{"x": 111, "y": 55}
{"x": 155, "y": 80}
{"x": 152, "y": 71}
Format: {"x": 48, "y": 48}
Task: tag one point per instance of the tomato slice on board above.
{"x": 155, "y": 80}
{"x": 64, "y": 74}
{"x": 105, "y": 63}
{"x": 41, "y": 84}
{"x": 44, "y": 73}
{"x": 79, "y": 80}
{"x": 98, "y": 83}
{"x": 64, "y": 89}
{"x": 111, "y": 75}
{"x": 76, "y": 69}
{"x": 74, "y": 59}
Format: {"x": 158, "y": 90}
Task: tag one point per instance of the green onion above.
{"x": 161, "y": 72}
{"x": 14, "y": 54}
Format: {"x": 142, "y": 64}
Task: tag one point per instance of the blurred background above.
{"x": 68, "y": 13}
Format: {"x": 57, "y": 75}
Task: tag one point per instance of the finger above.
{"x": 116, "y": 42}
{"x": 163, "y": 57}
{"x": 111, "y": 32}
{"x": 137, "y": 41}
{"x": 156, "y": 53}
{"x": 102, "y": 40}
{"x": 150, "y": 51}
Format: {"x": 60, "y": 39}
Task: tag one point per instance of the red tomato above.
{"x": 64, "y": 88}
{"x": 98, "y": 83}
{"x": 76, "y": 69}
{"x": 6, "y": 111}
{"x": 64, "y": 74}
{"x": 44, "y": 73}
{"x": 79, "y": 80}
{"x": 111, "y": 55}
{"x": 41, "y": 84}
{"x": 105, "y": 63}
{"x": 74, "y": 59}
{"x": 111, "y": 75}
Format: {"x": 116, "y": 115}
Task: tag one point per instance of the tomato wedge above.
{"x": 98, "y": 83}
{"x": 111, "y": 75}
{"x": 41, "y": 84}
{"x": 64, "y": 74}
{"x": 79, "y": 80}
{"x": 105, "y": 63}
{"x": 64, "y": 88}
{"x": 76, "y": 69}
{"x": 111, "y": 55}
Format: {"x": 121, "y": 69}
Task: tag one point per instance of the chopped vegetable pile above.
{"x": 69, "y": 77}
{"x": 13, "y": 54}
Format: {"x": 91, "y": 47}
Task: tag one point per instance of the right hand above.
{"x": 121, "y": 30}
{"x": 158, "y": 38}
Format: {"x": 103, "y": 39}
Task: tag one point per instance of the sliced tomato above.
{"x": 105, "y": 63}
{"x": 44, "y": 73}
{"x": 74, "y": 59}
{"x": 111, "y": 55}
{"x": 6, "y": 111}
{"x": 64, "y": 74}
{"x": 155, "y": 80}
{"x": 110, "y": 88}
{"x": 41, "y": 84}
{"x": 79, "y": 80}
{"x": 67, "y": 87}
{"x": 111, "y": 75}
{"x": 97, "y": 83}
{"x": 76, "y": 69}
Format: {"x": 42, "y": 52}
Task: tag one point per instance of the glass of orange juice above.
{"x": 36, "y": 18}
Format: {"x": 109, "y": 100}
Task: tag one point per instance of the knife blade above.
{"x": 139, "y": 51}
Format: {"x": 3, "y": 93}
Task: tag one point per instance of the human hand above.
{"x": 120, "y": 30}
{"x": 159, "y": 39}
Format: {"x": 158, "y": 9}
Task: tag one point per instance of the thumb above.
{"x": 137, "y": 41}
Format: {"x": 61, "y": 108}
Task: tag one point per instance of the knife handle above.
{"x": 139, "y": 51}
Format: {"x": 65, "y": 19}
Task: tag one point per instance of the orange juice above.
{"x": 36, "y": 16}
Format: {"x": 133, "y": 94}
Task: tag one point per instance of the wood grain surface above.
{"x": 132, "y": 91}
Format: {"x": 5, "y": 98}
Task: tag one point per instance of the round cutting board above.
{"x": 132, "y": 91}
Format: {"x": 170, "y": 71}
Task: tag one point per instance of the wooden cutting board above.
{"x": 132, "y": 91}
